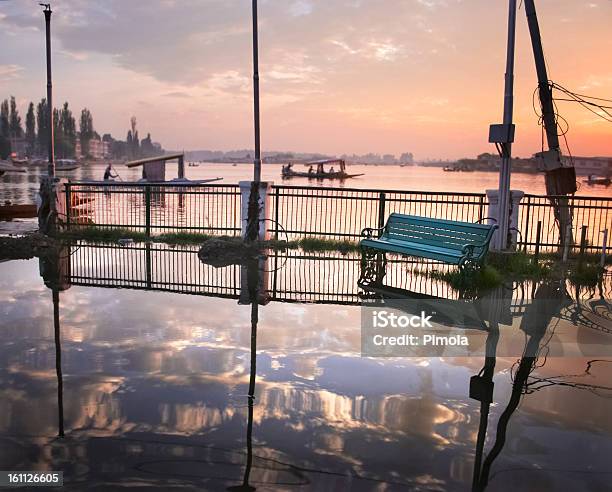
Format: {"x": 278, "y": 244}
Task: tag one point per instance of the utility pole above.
{"x": 257, "y": 162}
{"x": 503, "y": 136}
{"x": 51, "y": 165}
{"x": 560, "y": 179}
{"x": 252, "y": 228}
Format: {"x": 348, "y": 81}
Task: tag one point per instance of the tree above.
{"x": 67, "y": 124}
{"x": 30, "y": 132}
{"x": 15, "y": 121}
{"x": 407, "y": 158}
{"x": 5, "y": 141}
{"x": 42, "y": 124}
{"x": 87, "y": 130}
{"x": 133, "y": 144}
{"x": 146, "y": 147}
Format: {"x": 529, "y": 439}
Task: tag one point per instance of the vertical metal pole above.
{"x": 583, "y": 239}
{"x": 257, "y": 162}
{"x": 381, "y": 210}
{"x": 51, "y": 165}
{"x": 148, "y": 210}
{"x": 538, "y": 238}
{"x": 505, "y": 170}
{"x": 276, "y": 212}
{"x": 68, "y": 205}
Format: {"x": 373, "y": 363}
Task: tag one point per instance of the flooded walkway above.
{"x": 157, "y": 376}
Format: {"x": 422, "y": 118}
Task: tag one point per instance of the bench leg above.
{"x": 373, "y": 267}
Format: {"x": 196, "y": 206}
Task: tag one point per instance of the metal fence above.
{"x": 592, "y": 213}
{"x": 342, "y": 213}
{"x": 326, "y": 212}
{"x": 154, "y": 208}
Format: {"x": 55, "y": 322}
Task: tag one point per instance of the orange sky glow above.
{"x": 348, "y": 76}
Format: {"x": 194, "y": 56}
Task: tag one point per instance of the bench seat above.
{"x": 446, "y": 255}
{"x": 448, "y": 241}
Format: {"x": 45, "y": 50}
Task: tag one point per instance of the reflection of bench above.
{"x": 448, "y": 241}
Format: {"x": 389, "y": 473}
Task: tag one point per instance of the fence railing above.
{"x": 154, "y": 208}
{"x": 593, "y": 212}
{"x": 302, "y": 211}
{"x": 338, "y": 213}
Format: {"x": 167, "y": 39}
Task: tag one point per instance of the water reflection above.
{"x": 165, "y": 390}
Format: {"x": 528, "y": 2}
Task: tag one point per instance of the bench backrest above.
{"x": 448, "y": 234}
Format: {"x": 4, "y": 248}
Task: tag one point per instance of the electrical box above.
{"x": 561, "y": 181}
{"x": 501, "y": 134}
{"x": 549, "y": 160}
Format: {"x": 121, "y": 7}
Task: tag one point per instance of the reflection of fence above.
{"x": 299, "y": 211}
{"x": 289, "y": 276}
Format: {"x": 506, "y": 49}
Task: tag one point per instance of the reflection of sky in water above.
{"x": 155, "y": 389}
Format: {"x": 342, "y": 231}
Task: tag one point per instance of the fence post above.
{"x": 583, "y": 239}
{"x": 276, "y": 204}
{"x": 604, "y": 245}
{"x": 537, "y": 244}
{"x": 147, "y": 210}
{"x": 68, "y": 205}
{"x": 527, "y": 235}
{"x": 381, "y": 210}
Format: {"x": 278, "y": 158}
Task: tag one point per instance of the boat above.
{"x": 594, "y": 180}
{"x": 288, "y": 172}
{"x": 7, "y": 167}
{"x": 66, "y": 165}
{"x": 17, "y": 211}
{"x": 194, "y": 164}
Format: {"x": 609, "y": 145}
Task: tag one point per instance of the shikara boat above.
{"x": 17, "y": 211}
{"x": 66, "y": 165}
{"x": 320, "y": 173}
{"x": 594, "y": 180}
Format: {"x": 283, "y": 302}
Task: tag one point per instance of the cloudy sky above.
{"x": 336, "y": 75}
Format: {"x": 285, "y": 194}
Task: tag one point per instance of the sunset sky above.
{"x": 337, "y": 76}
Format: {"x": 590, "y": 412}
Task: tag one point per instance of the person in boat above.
{"x": 331, "y": 170}
{"x": 108, "y": 173}
{"x": 311, "y": 170}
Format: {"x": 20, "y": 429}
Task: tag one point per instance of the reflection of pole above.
{"x": 485, "y": 378}
{"x": 58, "y": 363}
{"x": 253, "y": 284}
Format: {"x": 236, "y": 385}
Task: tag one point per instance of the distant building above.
{"x": 598, "y": 166}
{"x": 98, "y": 149}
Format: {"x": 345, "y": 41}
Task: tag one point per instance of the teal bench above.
{"x": 448, "y": 241}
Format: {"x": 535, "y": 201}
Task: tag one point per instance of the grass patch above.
{"x": 485, "y": 278}
{"x": 585, "y": 274}
{"x": 102, "y": 235}
{"x": 313, "y": 244}
{"x": 112, "y": 235}
{"x": 518, "y": 265}
{"x": 182, "y": 238}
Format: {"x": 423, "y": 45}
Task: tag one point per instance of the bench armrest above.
{"x": 368, "y": 232}
{"x": 468, "y": 249}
